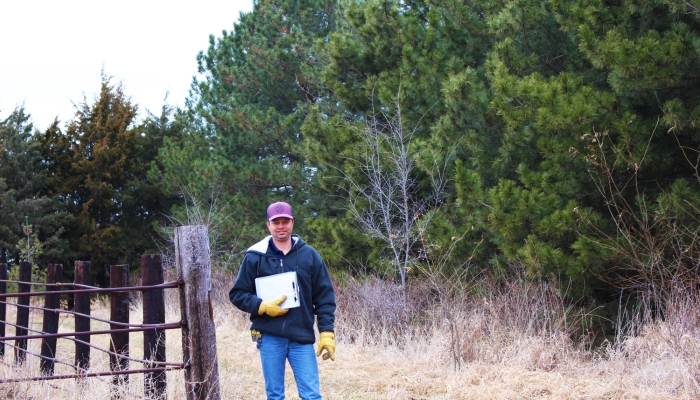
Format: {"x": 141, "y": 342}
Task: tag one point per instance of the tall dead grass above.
{"x": 472, "y": 340}
{"x": 660, "y": 345}
{"x": 528, "y": 326}
{"x": 522, "y": 323}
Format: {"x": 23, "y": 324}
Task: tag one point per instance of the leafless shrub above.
{"x": 371, "y": 312}
{"x": 517, "y": 321}
{"x": 658, "y": 243}
{"x": 383, "y": 197}
{"x": 524, "y": 322}
{"x": 655, "y": 239}
{"x": 206, "y": 210}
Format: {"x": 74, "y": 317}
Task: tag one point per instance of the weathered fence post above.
{"x": 54, "y": 274}
{"x": 153, "y": 313}
{"x": 199, "y": 339}
{"x": 25, "y": 275}
{"x": 119, "y": 312}
{"x": 82, "y": 305}
{"x": 3, "y": 307}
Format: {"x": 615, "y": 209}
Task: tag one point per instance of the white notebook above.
{"x": 272, "y": 287}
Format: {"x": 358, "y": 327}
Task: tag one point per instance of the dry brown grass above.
{"x": 509, "y": 341}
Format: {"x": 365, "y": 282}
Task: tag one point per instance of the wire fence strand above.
{"x": 153, "y": 366}
{"x": 72, "y": 339}
{"x": 167, "y": 285}
{"x": 58, "y": 310}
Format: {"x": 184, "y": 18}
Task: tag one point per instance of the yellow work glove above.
{"x": 327, "y": 344}
{"x": 272, "y": 308}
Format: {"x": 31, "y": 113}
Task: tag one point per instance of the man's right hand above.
{"x": 272, "y": 308}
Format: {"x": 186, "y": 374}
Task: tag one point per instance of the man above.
{"x": 287, "y": 334}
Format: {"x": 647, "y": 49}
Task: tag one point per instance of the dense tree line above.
{"x": 84, "y": 188}
{"x": 563, "y": 136}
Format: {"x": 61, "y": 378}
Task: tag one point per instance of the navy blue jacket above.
{"x": 316, "y": 293}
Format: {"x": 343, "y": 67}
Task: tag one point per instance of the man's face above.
{"x": 281, "y": 228}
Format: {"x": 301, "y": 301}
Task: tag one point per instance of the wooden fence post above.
{"x": 153, "y": 313}
{"x": 25, "y": 275}
{"x": 194, "y": 267}
{"x": 3, "y": 306}
{"x": 82, "y": 324}
{"x": 54, "y": 274}
{"x": 119, "y": 312}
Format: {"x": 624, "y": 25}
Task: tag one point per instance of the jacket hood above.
{"x": 261, "y": 246}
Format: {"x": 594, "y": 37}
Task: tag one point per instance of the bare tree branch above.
{"x": 384, "y": 198}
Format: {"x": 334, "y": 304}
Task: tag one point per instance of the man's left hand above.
{"x": 327, "y": 343}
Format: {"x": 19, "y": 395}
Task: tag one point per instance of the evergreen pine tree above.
{"x": 524, "y": 91}
{"x": 99, "y": 169}
{"x": 245, "y": 114}
{"x": 22, "y": 179}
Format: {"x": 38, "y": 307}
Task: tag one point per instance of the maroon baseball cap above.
{"x": 279, "y": 210}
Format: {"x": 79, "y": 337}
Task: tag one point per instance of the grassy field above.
{"x": 508, "y": 342}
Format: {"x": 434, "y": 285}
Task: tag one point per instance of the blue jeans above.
{"x": 274, "y": 351}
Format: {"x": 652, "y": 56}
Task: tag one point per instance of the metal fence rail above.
{"x": 153, "y": 325}
{"x": 199, "y": 356}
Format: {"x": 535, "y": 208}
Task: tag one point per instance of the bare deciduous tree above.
{"x": 383, "y": 193}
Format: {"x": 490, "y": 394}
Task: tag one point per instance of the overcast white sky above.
{"x": 52, "y": 51}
